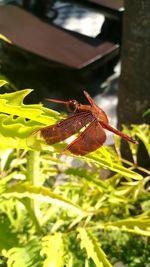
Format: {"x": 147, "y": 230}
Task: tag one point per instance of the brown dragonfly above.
{"x": 92, "y": 117}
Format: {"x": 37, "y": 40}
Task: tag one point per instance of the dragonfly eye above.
{"x": 72, "y": 105}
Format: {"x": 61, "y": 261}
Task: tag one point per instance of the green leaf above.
{"x": 146, "y": 112}
{"x": 9, "y": 86}
{"x": 25, "y": 256}
{"x": 93, "y": 249}
{"x": 18, "y": 121}
{"x": 12, "y": 104}
{"x": 8, "y": 238}
{"x": 23, "y": 190}
{"x": 114, "y": 164}
{"x": 5, "y": 180}
{"x": 133, "y": 188}
{"x": 139, "y": 226}
{"x": 2, "y": 37}
{"x": 53, "y": 249}
{"x": 2, "y": 82}
{"x": 91, "y": 179}
{"x": 143, "y": 133}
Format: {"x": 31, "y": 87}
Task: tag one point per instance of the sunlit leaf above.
{"x": 143, "y": 133}
{"x": 93, "y": 249}
{"x": 25, "y": 256}
{"x": 23, "y": 190}
{"x": 2, "y": 82}
{"x": 18, "y": 121}
{"x": 139, "y": 226}
{"x": 12, "y": 104}
{"x": 53, "y": 250}
{"x": 5, "y": 180}
{"x": 2, "y": 37}
{"x": 96, "y": 158}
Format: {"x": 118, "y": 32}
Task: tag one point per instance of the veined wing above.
{"x": 91, "y": 139}
{"x": 64, "y": 129}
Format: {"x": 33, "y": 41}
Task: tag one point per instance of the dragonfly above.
{"x": 88, "y": 120}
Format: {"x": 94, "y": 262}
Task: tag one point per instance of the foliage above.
{"x": 2, "y": 37}
{"x": 57, "y": 210}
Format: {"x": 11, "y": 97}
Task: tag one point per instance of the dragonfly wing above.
{"x": 91, "y": 139}
{"x": 64, "y": 129}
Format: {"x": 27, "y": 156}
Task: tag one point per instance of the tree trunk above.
{"x": 134, "y": 88}
{"x": 134, "y": 91}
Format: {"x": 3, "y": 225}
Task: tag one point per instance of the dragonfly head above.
{"x": 72, "y": 105}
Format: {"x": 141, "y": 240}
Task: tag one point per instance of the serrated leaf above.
{"x": 12, "y": 104}
{"x": 23, "y": 190}
{"x": 25, "y": 256}
{"x": 93, "y": 249}
{"x": 140, "y": 226}
{"x": 18, "y": 121}
{"x": 53, "y": 250}
{"x": 18, "y": 125}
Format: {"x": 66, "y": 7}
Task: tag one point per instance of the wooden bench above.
{"x": 111, "y": 8}
{"x": 57, "y": 46}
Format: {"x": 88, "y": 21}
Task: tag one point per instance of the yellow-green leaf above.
{"x": 140, "y": 226}
{"x": 22, "y": 190}
{"x": 2, "y": 82}
{"x": 53, "y": 250}
{"x": 93, "y": 249}
{"x": 2, "y": 37}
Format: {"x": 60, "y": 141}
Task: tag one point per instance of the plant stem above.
{"x": 135, "y": 166}
{"x": 33, "y": 172}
